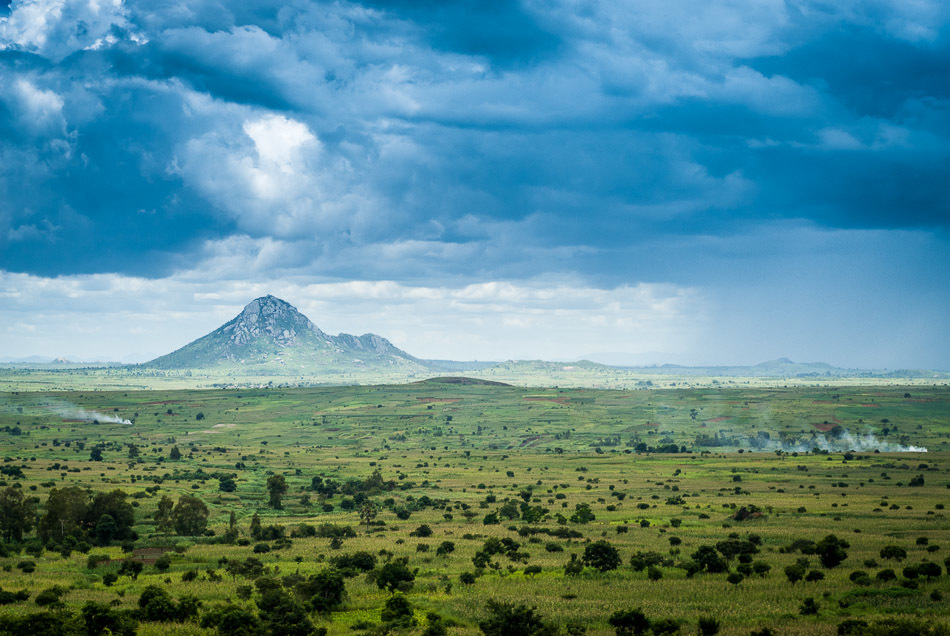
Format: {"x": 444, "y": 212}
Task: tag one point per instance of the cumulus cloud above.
{"x": 494, "y": 319}
{"x": 451, "y": 144}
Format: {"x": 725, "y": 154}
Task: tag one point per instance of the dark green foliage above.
{"x": 809, "y": 607}
{"x": 393, "y": 576}
{"x": 323, "y": 591}
{"x": 190, "y": 516}
{"x": 130, "y": 568}
{"x": 893, "y": 552}
{"x": 351, "y": 564}
{"x": 17, "y": 514}
{"x": 49, "y": 596}
{"x": 507, "y": 619}
{"x": 282, "y": 615}
{"x": 100, "y": 619}
{"x": 422, "y": 531}
{"x": 397, "y": 612}
{"x": 631, "y": 622}
{"x": 831, "y": 551}
{"x": 276, "y": 488}
{"x": 642, "y": 560}
{"x": 602, "y": 556}
{"x": 707, "y": 559}
{"x": 156, "y": 604}
{"x": 232, "y": 620}
{"x": 795, "y": 573}
{"x": 708, "y": 626}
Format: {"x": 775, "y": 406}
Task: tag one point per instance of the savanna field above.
{"x": 466, "y": 508}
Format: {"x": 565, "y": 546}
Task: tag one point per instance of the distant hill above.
{"x": 782, "y": 368}
{"x": 270, "y": 337}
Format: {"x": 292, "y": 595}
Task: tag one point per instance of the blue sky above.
{"x": 695, "y": 182}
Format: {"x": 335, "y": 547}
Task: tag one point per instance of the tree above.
{"x": 506, "y": 619}
{"x": 602, "y": 556}
{"x": 163, "y": 516}
{"x": 106, "y": 529}
{"x": 629, "y": 622}
{"x": 190, "y": 516}
{"x": 96, "y": 454}
{"x": 831, "y": 551}
{"x": 368, "y": 513}
{"x": 283, "y": 615}
{"x": 323, "y": 591}
{"x": 232, "y": 620}
{"x": 397, "y": 612}
{"x": 227, "y": 484}
{"x": 276, "y": 486}
{"x": 65, "y": 510}
{"x": 16, "y": 514}
{"x": 156, "y": 604}
{"x": 893, "y": 552}
{"x": 394, "y": 576}
{"x": 256, "y": 529}
{"x": 795, "y": 573}
{"x": 113, "y": 504}
{"x": 174, "y": 453}
{"x": 102, "y": 619}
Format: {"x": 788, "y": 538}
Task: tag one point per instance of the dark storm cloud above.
{"x": 135, "y": 136}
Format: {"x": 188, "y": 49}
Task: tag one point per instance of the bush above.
{"x": 629, "y": 622}
{"x": 708, "y": 626}
{"x": 602, "y": 556}
{"x": 506, "y": 619}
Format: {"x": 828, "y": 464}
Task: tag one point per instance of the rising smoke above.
{"x": 846, "y": 441}
{"x": 70, "y": 411}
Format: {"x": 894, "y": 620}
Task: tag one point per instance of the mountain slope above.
{"x": 270, "y": 337}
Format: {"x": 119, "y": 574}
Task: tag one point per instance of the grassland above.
{"x": 456, "y": 453}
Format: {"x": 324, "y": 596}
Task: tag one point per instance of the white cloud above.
{"x": 490, "y": 320}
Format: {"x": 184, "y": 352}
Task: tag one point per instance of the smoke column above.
{"x": 72, "y": 412}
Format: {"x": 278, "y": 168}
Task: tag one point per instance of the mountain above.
{"x": 270, "y": 337}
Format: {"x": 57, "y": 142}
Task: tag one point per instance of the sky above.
{"x": 705, "y": 182}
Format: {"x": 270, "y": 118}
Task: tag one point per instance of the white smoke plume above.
{"x": 846, "y": 441}
{"x": 72, "y": 412}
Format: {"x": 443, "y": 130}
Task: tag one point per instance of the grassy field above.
{"x": 450, "y": 455}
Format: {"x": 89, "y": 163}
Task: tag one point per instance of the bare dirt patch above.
{"x": 427, "y": 400}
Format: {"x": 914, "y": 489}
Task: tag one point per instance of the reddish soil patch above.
{"x": 529, "y": 440}
{"x": 873, "y": 406}
{"x": 332, "y": 430}
{"x": 824, "y": 428}
{"x": 548, "y": 399}
{"x": 161, "y": 402}
{"x": 651, "y": 424}
{"x": 836, "y": 420}
{"x": 426, "y": 400}
{"x": 719, "y": 419}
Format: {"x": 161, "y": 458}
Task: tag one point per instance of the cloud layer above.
{"x": 740, "y": 149}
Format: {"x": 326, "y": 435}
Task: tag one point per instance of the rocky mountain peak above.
{"x": 269, "y": 316}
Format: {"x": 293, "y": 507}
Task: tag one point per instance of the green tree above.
{"x": 232, "y": 620}
{"x": 190, "y": 516}
{"x": 96, "y": 454}
{"x": 174, "y": 453}
{"x": 831, "y": 551}
{"x": 17, "y": 514}
{"x": 507, "y": 619}
{"x": 631, "y": 622}
{"x": 602, "y": 556}
{"x": 227, "y": 484}
{"x": 65, "y": 510}
{"x": 276, "y": 486}
{"x": 113, "y": 504}
{"x": 393, "y": 576}
{"x": 163, "y": 516}
{"x": 323, "y": 591}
